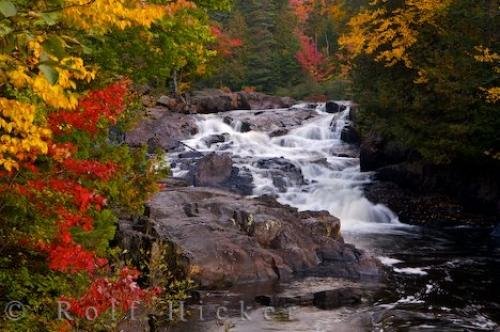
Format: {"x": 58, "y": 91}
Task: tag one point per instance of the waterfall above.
{"x": 330, "y": 168}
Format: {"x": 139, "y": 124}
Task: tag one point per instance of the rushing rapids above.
{"x": 433, "y": 283}
{"x": 333, "y": 181}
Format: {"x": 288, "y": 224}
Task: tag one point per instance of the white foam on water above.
{"x": 410, "y": 300}
{"x": 388, "y": 261}
{"x": 412, "y": 270}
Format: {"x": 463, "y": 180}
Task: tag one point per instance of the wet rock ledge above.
{"x": 227, "y": 239}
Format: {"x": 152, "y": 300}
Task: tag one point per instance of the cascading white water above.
{"x": 333, "y": 183}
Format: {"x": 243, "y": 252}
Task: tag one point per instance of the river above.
{"x": 445, "y": 279}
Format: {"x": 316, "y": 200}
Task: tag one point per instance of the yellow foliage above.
{"x": 54, "y": 94}
{"x": 22, "y": 139}
{"x": 356, "y": 41}
{"x": 35, "y": 48}
{"x": 337, "y": 12}
{"x": 492, "y": 94}
{"x": 422, "y": 77}
{"x": 54, "y": 78}
{"x": 389, "y": 34}
{"x": 18, "y": 77}
{"x": 26, "y": 75}
{"x": 58, "y": 95}
{"x": 486, "y": 55}
{"x": 103, "y": 15}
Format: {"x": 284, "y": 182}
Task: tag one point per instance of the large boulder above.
{"x": 278, "y": 121}
{"x": 228, "y": 239}
{"x": 217, "y": 171}
{"x": 349, "y": 134}
{"x": 161, "y": 128}
{"x": 215, "y": 101}
{"x": 334, "y": 107}
{"x": 283, "y": 172}
{"x": 375, "y": 152}
{"x": 425, "y": 194}
{"x": 321, "y": 223}
{"x": 371, "y": 156}
{"x": 424, "y": 208}
{"x": 212, "y": 170}
{"x": 422, "y": 192}
{"x": 354, "y": 113}
{"x": 261, "y": 101}
{"x": 168, "y": 102}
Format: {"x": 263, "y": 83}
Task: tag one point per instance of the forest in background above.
{"x": 288, "y": 48}
{"x": 425, "y": 73}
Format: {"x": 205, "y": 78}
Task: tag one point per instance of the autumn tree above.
{"x": 63, "y": 179}
{"x": 230, "y": 70}
{"x": 426, "y": 73}
{"x": 314, "y": 61}
{"x": 179, "y": 44}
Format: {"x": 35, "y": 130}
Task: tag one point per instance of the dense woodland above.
{"x": 424, "y": 72}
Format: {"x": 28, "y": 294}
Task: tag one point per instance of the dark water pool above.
{"x": 440, "y": 279}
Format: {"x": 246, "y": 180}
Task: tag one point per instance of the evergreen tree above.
{"x": 266, "y": 61}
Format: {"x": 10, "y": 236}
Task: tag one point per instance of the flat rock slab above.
{"x": 229, "y": 239}
{"x": 278, "y": 121}
{"x": 309, "y": 291}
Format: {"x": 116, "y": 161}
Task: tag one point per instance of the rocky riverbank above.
{"x": 421, "y": 192}
{"x": 214, "y": 101}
